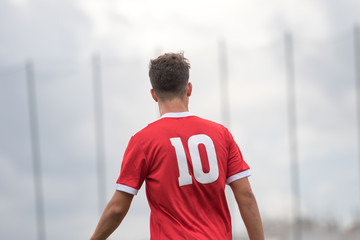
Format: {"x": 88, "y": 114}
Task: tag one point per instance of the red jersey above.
{"x": 186, "y": 162}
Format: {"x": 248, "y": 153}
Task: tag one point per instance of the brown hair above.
{"x": 169, "y": 75}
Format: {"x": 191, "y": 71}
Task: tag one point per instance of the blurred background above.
{"x": 283, "y": 76}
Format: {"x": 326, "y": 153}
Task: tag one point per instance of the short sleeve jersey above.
{"x": 185, "y": 162}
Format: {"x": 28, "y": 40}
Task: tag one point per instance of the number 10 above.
{"x": 193, "y": 145}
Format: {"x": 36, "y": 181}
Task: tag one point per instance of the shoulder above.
{"x": 212, "y": 124}
{"x": 148, "y": 129}
{"x": 216, "y": 124}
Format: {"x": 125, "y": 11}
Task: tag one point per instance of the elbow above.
{"x": 248, "y": 199}
{"x": 248, "y": 195}
{"x": 117, "y": 212}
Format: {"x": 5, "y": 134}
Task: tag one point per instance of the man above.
{"x": 186, "y": 162}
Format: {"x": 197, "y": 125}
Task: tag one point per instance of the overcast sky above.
{"x": 60, "y": 37}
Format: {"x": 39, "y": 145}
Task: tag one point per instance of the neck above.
{"x": 173, "y": 105}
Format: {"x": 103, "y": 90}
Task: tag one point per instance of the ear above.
{"x": 153, "y": 94}
{"x": 188, "y": 89}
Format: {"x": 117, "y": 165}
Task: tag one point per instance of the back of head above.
{"x": 169, "y": 75}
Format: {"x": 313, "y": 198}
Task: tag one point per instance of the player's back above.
{"x": 186, "y": 161}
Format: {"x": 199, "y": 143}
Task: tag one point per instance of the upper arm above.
{"x": 242, "y": 190}
{"x": 121, "y": 201}
{"x": 113, "y": 214}
{"x": 235, "y": 163}
{"x": 134, "y": 166}
{"x": 248, "y": 208}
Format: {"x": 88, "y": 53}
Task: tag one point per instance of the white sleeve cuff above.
{"x": 127, "y": 189}
{"x": 237, "y": 176}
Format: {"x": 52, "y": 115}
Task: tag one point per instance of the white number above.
{"x": 184, "y": 178}
{"x": 193, "y": 145}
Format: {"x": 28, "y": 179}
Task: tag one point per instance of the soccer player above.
{"x": 186, "y": 161}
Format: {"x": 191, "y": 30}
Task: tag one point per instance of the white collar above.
{"x": 176, "y": 114}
